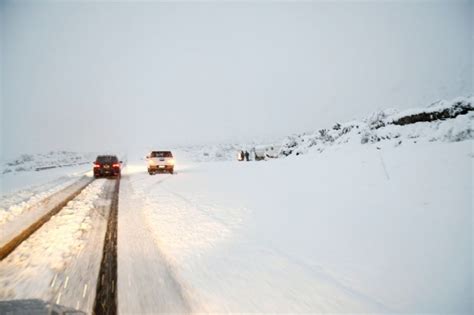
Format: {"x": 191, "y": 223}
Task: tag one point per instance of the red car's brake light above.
{"x": 116, "y": 165}
{"x": 96, "y": 165}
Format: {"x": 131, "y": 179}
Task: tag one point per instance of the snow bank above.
{"x": 14, "y": 205}
{"x": 21, "y": 191}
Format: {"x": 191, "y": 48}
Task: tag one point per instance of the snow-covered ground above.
{"x": 356, "y": 229}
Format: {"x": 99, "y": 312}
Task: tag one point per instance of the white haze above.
{"x": 96, "y": 76}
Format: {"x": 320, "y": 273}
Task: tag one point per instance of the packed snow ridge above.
{"x": 43, "y": 161}
{"x": 448, "y": 121}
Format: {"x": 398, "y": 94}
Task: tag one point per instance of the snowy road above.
{"x": 191, "y": 260}
{"x": 60, "y": 262}
{"x": 347, "y": 231}
{"x": 147, "y": 283}
{"x": 323, "y": 233}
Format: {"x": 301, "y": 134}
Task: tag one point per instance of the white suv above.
{"x": 160, "y": 161}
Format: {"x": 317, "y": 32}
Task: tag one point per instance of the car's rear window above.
{"x": 161, "y": 154}
{"x": 107, "y": 159}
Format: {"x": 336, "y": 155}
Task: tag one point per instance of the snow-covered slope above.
{"x": 447, "y": 121}
{"x": 441, "y": 121}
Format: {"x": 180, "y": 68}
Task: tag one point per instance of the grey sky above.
{"x": 75, "y": 75}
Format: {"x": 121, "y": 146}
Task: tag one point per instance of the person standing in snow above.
{"x": 247, "y": 154}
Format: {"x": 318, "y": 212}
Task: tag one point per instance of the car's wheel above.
{"x": 171, "y": 171}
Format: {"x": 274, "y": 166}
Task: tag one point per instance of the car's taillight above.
{"x": 116, "y": 165}
{"x": 96, "y": 165}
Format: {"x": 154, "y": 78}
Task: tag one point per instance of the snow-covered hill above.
{"x": 448, "y": 121}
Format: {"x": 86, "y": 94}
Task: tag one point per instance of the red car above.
{"x": 107, "y": 165}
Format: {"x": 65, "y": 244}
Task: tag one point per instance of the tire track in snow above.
{"x": 146, "y": 281}
{"x": 189, "y": 226}
{"x": 76, "y": 285}
{"x": 106, "y": 294}
{"x": 45, "y": 266}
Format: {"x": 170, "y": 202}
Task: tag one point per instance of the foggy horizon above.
{"x": 167, "y": 74}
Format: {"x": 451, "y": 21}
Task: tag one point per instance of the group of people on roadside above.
{"x": 243, "y": 156}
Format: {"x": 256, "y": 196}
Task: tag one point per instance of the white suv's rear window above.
{"x": 161, "y": 154}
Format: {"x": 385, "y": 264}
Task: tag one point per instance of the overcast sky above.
{"x": 107, "y": 75}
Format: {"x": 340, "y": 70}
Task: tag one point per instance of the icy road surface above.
{"x": 350, "y": 230}
{"x": 60, "y": 262}
{"x": 147, "y": 283}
